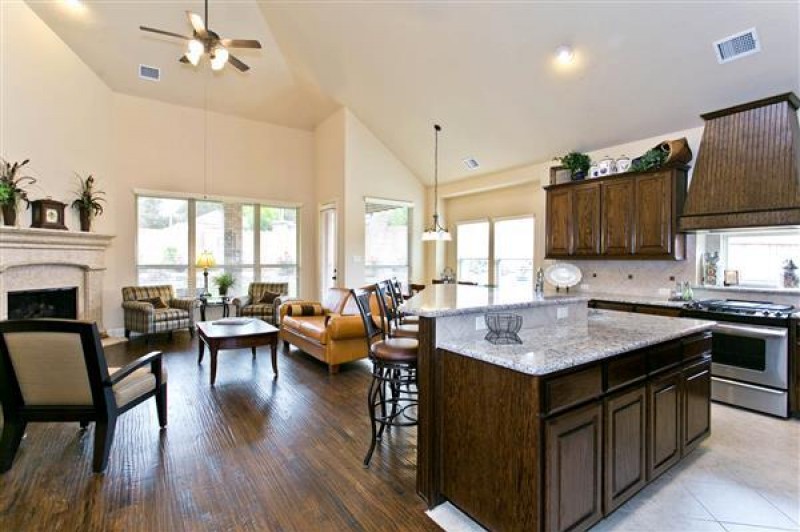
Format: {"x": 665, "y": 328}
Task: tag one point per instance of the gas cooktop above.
{"x": 746, "y": 308}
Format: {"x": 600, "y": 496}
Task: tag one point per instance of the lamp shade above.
{"x": 206, "y": 260}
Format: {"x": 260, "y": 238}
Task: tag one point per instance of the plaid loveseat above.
{"x": 251, "y": 305}
{"x": 143, "y": 317}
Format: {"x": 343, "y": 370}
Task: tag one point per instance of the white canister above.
{"x": 623, "y": 164}
{"x": 606, "y": 166}
{"x": 594, "y": 170}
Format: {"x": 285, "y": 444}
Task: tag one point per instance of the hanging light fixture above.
{"x": 436, "y": 231}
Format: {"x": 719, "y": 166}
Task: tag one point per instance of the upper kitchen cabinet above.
{"x": 627, "y": 216}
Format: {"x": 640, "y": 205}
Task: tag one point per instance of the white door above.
{"x": 328, "y": 249}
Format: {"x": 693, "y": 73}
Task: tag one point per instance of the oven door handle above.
{"x": 750, "y": 386}
{"x": 754, "y": 332}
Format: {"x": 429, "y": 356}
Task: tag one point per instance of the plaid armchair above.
{"x": 143, "y": 317}
{"x": 250, "y": 305}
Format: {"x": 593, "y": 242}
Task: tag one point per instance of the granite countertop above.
{"x": 633, "y": 299}
{"x": 452, "y": 299}
{"x": 557, "y": 347}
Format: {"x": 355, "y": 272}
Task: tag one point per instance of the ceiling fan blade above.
{"x": 240, "y": 43}
{"x": 197, "y": 23}
{"x": 162, "y": 32}
{"x": 238, "y": 64}
{"x": 185, "y": 59}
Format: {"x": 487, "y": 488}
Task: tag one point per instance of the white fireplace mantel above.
{"x": 50, "y": 258}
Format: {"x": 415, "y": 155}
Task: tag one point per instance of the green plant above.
{"x": 651, "y": 160}
{"x": 88, "y": 198}
{"x": 224, "y": 281}
{"x": 11, "y": 184}
{"x": 576, "y": 162}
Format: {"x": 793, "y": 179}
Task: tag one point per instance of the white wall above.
{"x": 55, "y": 111}
{"x": 372, "y": 170}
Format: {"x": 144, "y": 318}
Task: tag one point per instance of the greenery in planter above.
{"x": 577, "y": 163}
{"x": 89, "y": 201}
{"x": 651, "y": 160}
{"x": 224, "y": 281}
{"x": 11, "y": 184}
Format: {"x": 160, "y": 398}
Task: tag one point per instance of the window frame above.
{"x": 191, "y": 269}
{"x": 724, "y": 243}
{"x": 532, "y": 217}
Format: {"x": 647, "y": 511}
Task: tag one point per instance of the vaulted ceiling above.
{"x": 485, "y": 71}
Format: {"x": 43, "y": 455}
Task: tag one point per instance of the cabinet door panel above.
{"x": 559, "y": 223}
{"x": 573, "y": 465}
{"x": 587, "y": 219}
{"x": 696, "y": 404}
{"x": 617, "y": 217}
{"x": 664, "y": 423}
{"x": 653, "y": 214}
{"x": 625, "y": 418}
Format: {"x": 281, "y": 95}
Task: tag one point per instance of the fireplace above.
{"x": 43, "y": 303}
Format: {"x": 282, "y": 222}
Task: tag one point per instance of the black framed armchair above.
{"x": 56, "y": 371}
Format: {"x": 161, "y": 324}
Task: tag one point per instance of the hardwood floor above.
{"x": 252, "y": 453}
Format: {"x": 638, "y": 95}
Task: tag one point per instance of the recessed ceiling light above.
{"x": 471, "y": 163}
{"x": 564, "y": 54}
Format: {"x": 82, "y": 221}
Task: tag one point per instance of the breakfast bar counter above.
{"x": 556, "y": 432}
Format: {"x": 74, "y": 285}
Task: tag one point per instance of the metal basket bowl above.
{"x": 503, "y": 328}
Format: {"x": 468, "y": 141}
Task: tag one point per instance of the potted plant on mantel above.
{"x": 89, "y": 202}
{"x": 224, "y": 281}
{"x": 577, "y": 163}
{"x": 11, "y": 189}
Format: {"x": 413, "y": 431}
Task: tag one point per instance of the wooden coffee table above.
{"x": 217, "y": 335}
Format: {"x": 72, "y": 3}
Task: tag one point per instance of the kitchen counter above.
{"x": 442, "y": 300}
{"x": 617, "y": 297}
{"x": 553, "y": 348}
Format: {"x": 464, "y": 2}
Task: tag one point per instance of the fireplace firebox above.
{"x": 43, "y": 303}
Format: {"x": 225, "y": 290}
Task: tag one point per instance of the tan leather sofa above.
{"x": 335, "y": 337}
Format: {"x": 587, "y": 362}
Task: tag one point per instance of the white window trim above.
{"x": 492, "y": 274}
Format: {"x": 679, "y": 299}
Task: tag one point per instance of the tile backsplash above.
{"x": 639, "y": 277}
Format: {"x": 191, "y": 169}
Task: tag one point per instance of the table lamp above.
{"x": 205, "y": 261}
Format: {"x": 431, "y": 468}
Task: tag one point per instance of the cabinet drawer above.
{"x": 663, "y": 357}
{"x": 696, "y": 346}
{"x": 571, "y": 389}
{"x": 625, "y": 370}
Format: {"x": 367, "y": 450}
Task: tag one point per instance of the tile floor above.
{"x": 744, "y": 478}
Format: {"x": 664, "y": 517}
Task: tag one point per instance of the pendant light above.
{"x": 436, "y": 231}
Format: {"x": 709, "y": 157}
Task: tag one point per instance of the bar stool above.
{"x": 390, "y": 314}
{"x": 395, "y": 290}
{"x": 394, "y": 365}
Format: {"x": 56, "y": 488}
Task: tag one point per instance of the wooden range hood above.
{"x": 748, "y": 168}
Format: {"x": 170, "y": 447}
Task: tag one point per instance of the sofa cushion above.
{"x": 259, "y": 309}
{"x": 268, "y": 298}
{"x": 305, "y": 309}
{"x": 165, "y": 314}
{"x": 313, "y": 327}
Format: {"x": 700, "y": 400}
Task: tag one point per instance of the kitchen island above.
{"x": 559, "y": 431}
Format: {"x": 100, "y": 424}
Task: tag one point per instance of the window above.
{"x": 386, "y": 245}
{"x": 472, "y": 252}
{"x": 513, "y": 252}
{"x": 759, "y": 257}
{"x": 500, "y": 250}
{"x": 163, "y": 242}
{"x": 227, "y": 229}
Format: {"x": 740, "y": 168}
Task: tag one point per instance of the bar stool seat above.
{"x": 396, "y": 349}
{"x": 405, "y": 331}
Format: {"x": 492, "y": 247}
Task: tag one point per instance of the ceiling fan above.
{"x": 204, "y": 41}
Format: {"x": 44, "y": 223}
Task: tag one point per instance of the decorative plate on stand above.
{"x": 563, "y": 275}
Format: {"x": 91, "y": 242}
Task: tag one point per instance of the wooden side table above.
{"x": 218, "y": 335}
{"x": 223, "y": 302}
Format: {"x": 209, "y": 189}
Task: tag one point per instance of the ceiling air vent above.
{"x": 737, "y": 46}
{"x": 149, "y": 73}
{"x": 471, "y": 163}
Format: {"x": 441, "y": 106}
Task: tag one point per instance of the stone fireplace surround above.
{"x": 48, "y": 258}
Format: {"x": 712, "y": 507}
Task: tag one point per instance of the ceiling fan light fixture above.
{"x": 219, "y": 56}
{"x": 196, "y": 48}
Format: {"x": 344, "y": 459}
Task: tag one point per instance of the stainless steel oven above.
{"x": 750, "y": 366}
